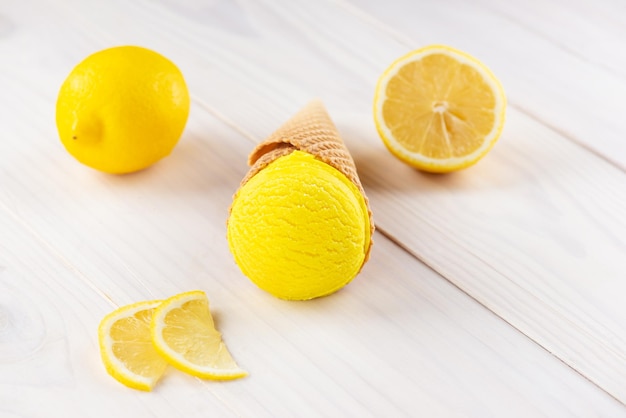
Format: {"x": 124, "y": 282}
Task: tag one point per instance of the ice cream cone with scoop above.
{"x": 300, "y": 225}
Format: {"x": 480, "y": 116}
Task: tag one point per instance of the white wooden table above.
{"x": 496, "y": 291}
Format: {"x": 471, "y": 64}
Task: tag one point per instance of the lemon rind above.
{"x": 415, "y": 158}
{"x": 112, "y": 364}
{"x": 171, "y": 356}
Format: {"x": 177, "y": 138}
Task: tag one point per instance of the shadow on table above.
{"x": 379, "y": 170}
{"x": 199, "y": 164}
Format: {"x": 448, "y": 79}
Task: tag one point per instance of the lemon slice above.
{"x": 126, "y": 346}
{"x": 439, "y": 109}
{"x": 184, "y": 334}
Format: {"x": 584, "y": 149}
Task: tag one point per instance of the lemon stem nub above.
{"x": 89, "y": 130}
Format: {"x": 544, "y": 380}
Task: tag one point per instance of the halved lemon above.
{"x": 439, "y": 109}
{"x": 126, "y": 346}
{"x": 183, "y": 332}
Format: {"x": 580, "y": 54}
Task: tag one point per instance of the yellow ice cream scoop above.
{"x": 299, "y": 225}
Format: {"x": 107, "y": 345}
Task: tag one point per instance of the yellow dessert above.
{"x": 300, "y": 225}
{"x": 299, "y": 228}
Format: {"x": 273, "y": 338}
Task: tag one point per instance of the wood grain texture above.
{"x": 400, "y": 340}
{"x": 526, "y": 233}
{"x": 591, "y": 31}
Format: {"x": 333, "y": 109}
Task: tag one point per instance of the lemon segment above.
{"x": 439, "y": 109}
{"x": 126, "y": 346}
{"x": 184, "y": 334}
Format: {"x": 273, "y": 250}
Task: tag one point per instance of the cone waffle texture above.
{"x": 311, "y": 130}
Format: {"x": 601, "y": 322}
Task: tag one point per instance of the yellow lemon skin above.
{"x": 299, "y": 228}
{"x": 122, "y": 109}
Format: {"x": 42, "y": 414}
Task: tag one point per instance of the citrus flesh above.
{"x": 122, "y": 109}
{"x": 439, "y": 109}
{"x": 299, "y": 228}
{"x": 126, "y": 346}
{"x": 184, "y": 334}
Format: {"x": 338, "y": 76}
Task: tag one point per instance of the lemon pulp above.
{"x": 439, "y": 109}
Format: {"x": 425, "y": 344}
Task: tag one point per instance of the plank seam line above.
{"x": 603, "y": 342}
{"x": 67, "y": 263}
{"x": 409, "y": 43}
{"x": 565, "y": 135}
{"x": 555, "y": 43}
{"x": 416, "y": 256}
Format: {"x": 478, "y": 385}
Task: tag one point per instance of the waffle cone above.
{"x": 310, "y": 130}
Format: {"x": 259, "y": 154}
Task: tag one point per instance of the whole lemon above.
{"x": 122, "y": 109}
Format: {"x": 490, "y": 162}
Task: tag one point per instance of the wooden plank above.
{"x": 517, "y": 232}
{"x": 162, "y": 231}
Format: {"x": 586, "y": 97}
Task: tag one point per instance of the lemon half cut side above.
{"x": 439, "y": 109}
